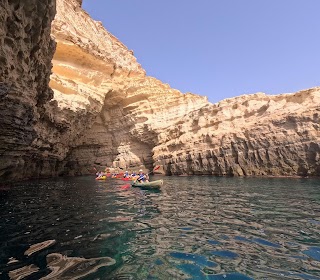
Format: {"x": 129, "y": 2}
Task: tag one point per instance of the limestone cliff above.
{"x": 26, "y": 50}
{"x": 96, "y": 76}
{"x": 105, "y": 111}
{"x": 247, "y": 135}
{"x": 143, "y": 122}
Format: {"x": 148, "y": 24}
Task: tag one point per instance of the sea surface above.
{"x": 194, "y": 228}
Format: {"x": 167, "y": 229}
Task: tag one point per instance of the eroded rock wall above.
{"x": 26, "y": 50}
{"x": 97, "y": 78}
{"x": 248, "y": 135}
{"x": 142, "y": 122}
{"x": 126, "y": 131}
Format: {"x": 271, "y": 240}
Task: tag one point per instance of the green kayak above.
{"x": 149, "y": 185}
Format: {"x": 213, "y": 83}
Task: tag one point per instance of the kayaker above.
{"x": 143, "y": 177}
{"x": 126, "y": 174}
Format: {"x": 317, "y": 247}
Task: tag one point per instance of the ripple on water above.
{"x": 224, "y": 254}
{"x": 199, "y": 260}
{"x": 23, "y": 272}
{"x": 195, "y": 228}
{"x": 196, "y": 272}
{"x": 313, "y": 252}
{"x": 63, "y": 267}
{"x": 214, "y": 242}
{"x": 228, "y": 276}
{"x": 265, "y": 242}
{"x": 39, "y": 246}
{"x": 241, "y": 238}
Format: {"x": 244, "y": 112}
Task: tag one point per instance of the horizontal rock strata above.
{"x": 100, "y": 109}
{"x": 143, "y": 122}
{"x": 97, "y": 78}
{"x": 248, "y": 135}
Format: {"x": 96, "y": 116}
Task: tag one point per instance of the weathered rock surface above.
{"x": 105, "y": 110}
{"x": 26, "y": 50}
{"x": 247, "y": 135}
{"x": 97, "y": 78}
{"x": 144, "y": 122}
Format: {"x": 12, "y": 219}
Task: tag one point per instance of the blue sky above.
{"x": 220, "y": 48}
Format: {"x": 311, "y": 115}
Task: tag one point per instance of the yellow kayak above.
{"x": 101, "y": 178}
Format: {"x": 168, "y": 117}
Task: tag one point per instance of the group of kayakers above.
{"x": 140, "y": 177}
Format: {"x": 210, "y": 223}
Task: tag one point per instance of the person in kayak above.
{"x": 126, "y": 174}
{"x": 142, "y": 177}
{"x": 99, "y": 174}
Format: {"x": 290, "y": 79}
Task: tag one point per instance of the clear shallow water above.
{"x": 195, "y": 228}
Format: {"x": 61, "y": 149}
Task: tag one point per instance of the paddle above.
{"x": 95, "y": 170}
{"x": 125, "y": 187}
{"x": 154, "y": 169}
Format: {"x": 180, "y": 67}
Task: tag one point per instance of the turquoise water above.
{"x": 194, "y": 228}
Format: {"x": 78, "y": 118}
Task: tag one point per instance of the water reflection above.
{"x": 195, "y": 228}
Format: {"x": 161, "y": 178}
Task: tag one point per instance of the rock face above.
{"x": 104, "y": 111}
{"x": 97, "y": 79}
{"x": 247, "y": 135}
{"x": 26, "y": 50}
{"x": 143, "y": 122}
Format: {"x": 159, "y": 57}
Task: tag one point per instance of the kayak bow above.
{"x": 149, "y": 185}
